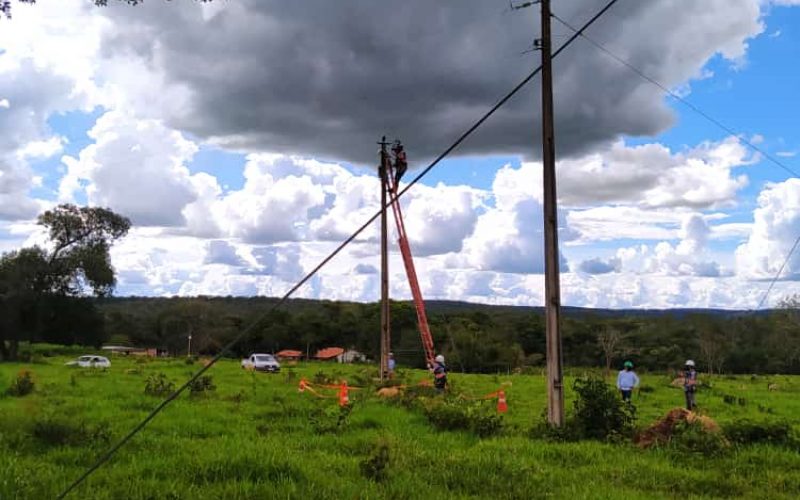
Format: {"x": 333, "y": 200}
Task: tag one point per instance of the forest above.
{"x": 474, "y": 338}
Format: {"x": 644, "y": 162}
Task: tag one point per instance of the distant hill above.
{"x": 440, "y": 307}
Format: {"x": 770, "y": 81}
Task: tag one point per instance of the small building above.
{"x": 135, "y": 351}
{"x": 340, "y": 355}
{"x": 289, "y": 354}
{"x": 353, "y": 356}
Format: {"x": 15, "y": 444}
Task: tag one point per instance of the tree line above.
{"x": 474, "y": 338}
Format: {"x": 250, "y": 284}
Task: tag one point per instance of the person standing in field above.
{"x": 627, "y": 381}
{"x": 689, "y": 384}
{"x": 390, "y": 365}
{"x": 439, "y": 370}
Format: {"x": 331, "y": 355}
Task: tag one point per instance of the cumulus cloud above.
{"x": 601, "y": 266}
{"x": 45, "y": 68}
{"x": 136, "y": 167}
{"x": 652, "y": 176}
{"x": 687, "y": 258}
{"x": 776, "y": 227}
{"x": 508, "y": 236}
{"x": 330, "y": 79}
{"x": 222, "y": 252}
{"x": 365, "y": 269}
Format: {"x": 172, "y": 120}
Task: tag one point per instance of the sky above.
{"x": 240, "y": 139}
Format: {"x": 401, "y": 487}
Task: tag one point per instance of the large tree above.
{"x": 44, "y": 287}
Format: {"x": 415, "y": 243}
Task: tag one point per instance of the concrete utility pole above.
{"x": 386, "y": 344}
{"x": 552, "y": 287}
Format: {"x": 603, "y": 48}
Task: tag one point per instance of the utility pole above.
{"x": 552, "y": 287}
{"x": 386, "y": 343}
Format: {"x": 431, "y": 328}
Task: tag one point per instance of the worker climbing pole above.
{"x": 394, "y": 166}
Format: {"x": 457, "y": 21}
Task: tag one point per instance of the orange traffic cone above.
{"x": 343, "y": 398}
{"x": 502, "y": 406}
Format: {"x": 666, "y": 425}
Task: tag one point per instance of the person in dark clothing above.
{"x": 400, "y": 163}
{"x": 439, "y": 370}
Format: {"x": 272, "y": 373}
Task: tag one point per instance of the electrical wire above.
{"x": 778, "y": 275}
{"x": 710, "y": 119}
{"x": 677, "y": 97}
{"x": 108, "y": 454}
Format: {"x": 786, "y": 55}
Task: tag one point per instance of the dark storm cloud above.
{"x": 327, "y": 79}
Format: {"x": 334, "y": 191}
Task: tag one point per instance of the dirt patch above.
{"x": 662, "y": 430}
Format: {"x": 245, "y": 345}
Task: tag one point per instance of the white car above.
{"x": 91, "y": 362}
{"x": 262, "y": 363}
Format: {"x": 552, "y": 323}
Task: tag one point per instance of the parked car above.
{"x": 262, "y": 363}
{"x": 91, "y": 362}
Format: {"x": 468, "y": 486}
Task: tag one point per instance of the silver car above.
{"x": 91, "y": 361}
{"x": 262, "y": 363}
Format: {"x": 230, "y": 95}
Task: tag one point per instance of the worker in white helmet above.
{"x": 439, "y": 371}
{"x": 689, "y": 384}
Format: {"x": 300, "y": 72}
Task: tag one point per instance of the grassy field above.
{"x": 256, "y": 436}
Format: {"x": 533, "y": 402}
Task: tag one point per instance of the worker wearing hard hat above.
{"x": 689, "y": 384}
{"x": 439, "y": 370}
{"x": 627, "y": 381}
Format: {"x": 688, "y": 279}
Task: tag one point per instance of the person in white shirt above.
{"x": 627, "y": 381}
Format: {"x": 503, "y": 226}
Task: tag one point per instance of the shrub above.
{"x": 22, "y": 384}
{"x": 692, "y": 437}
{"x": 322, "y": 378}
{"x": 476, "y": 417}
{"x": 599, "y": 413}
{"x": 374, "y": 467}
{"x": 748, "y": 432}
{"x": 413, "y": 396}
{"x": 331, "y": 419}
{"x": 158, "y": 385}
{"x": 201, "y": 385}
{"x": 59, "y": 431}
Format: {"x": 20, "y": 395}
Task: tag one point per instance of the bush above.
{"x": 414, "y": 396}
{"x": 322, "y": 378}
{"x": 59, "y": 431}
{"x": 692, "y": 437}
{"x": 374, "y": 467}
{"x": 201, "y": 385}
{"x": 749, "y": 432}
{"x": 331, "y": 419}
{"x": 477, "y": 417}
{"x": 599, "y": 413}
{"x": 158, "y": 385}
{"x": 22, "y": 385}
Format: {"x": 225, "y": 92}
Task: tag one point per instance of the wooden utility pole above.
{"x": 386, "y": 343}
{"x": 552, "y": 288}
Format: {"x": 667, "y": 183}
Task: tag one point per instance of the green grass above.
{"x": 254, "y": 437}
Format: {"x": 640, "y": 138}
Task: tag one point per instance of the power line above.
{"x": 107, "y": 455}
{"x": 677, "y": 97}
{"x": 778, "y": 275}
{"x": 710, "y": 119}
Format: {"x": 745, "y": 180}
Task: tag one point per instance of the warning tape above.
{"x": 499, "y": 395}
{"x": 342, "y": 389}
